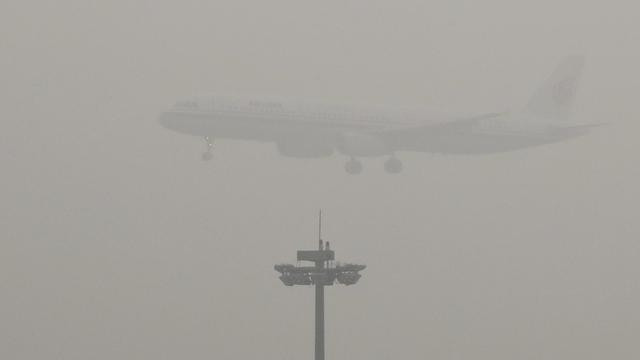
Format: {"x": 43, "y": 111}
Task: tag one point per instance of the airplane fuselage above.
{"x": 354, "y": 131}
{"x": 307, "y": 129}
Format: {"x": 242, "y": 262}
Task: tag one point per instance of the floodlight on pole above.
{"x": 325, "y": 272}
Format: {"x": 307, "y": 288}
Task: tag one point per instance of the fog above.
{"x": 118, "y": 242}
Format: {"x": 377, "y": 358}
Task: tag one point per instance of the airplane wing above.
{"x": 445, "y": 127}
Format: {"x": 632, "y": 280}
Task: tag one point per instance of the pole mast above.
{"x": 319, "y": 353}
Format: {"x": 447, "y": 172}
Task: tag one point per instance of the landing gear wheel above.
{"x": 208, "y": 155}
{"x": 393, "y": 165}
{"x": 353, "y": 167}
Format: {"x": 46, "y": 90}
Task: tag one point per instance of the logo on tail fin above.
{"x": 564, "y": 91}
{"x": 552, "y": 101}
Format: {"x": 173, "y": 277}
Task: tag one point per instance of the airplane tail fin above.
{"x": 553, "y": 100}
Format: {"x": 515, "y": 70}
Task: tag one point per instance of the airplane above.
{"x": 307, "y": 129}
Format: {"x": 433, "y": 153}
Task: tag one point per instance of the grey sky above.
{"x": 118, "y": 242}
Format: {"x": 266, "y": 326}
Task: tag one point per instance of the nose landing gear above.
{"x": 208, "y": 154}
{"x": 353, "y": 167}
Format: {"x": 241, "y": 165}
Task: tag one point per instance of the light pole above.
{"x": 325, "y": 272}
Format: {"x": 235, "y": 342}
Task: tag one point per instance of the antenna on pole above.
{"x": 320, "y": 230}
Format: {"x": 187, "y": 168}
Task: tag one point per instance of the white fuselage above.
{"x": 307, "y": 129}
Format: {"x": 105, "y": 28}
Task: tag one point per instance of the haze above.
{"x": 118, "y": 242}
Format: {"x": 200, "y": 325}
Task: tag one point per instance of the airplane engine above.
{"x": 363, "y": 145}
{"x": 305, "y": 148}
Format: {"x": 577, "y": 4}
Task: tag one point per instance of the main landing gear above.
{"x": 393, "y": 165}
{"x": 353, "y": 167}
{"x": 208, "y": 154}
